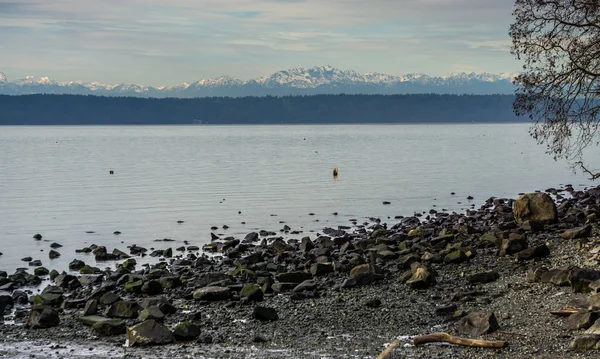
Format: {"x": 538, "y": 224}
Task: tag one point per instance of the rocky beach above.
{"x": 523, "y": 272}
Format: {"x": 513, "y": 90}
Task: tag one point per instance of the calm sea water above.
{"x": 55, "y": 180}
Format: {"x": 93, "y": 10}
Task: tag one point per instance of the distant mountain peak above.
{"x": 324, "y": 79}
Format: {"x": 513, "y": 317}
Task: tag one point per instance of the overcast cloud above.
{"x": 170, "y": 41}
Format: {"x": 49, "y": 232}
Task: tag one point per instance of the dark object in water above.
{"x": 111, "y": 172}
{"x": 335, "y": 172}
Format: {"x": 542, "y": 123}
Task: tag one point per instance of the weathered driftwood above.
{"x": 445, "y": 338}
{"x": 565, "y": 312}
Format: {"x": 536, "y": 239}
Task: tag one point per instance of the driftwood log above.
{"x": 446, "y": 338}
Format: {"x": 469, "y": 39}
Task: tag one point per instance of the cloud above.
{"x": 160, "y": 41}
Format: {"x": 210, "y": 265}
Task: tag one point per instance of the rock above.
{"x": 123, "y": 309}
{"x": 579, "y": 321}
{"x": 149, "y": 332}
{"x": 186, "y": 331}
{"x": 365, "y": 274}
{"x": 595, "y": 328}
{"x": 91, "y": 307}
{"x": 48, "y": 299}
{"x": 38, "y": 237}
{"x": 293, "y": 277}
{"x": 579, "y": 232}
{"x": 477, "y": 324}
{"x": 134, "y": 287}
{"x": 152, "y": 287}
{"x": 152, "y": 312}
{"x": 307, "y": 285}
{"x": 6, "y": 302}
{"x": 585, "y": 342}
{"x": 540, "y": 251}
{"x": 373, "y": 303}
{"x": 42, "y": 316}
{"x": 27, "y": 259}
{"x": 264, "y": 314}
{"x": 76, "y": 265}
{"x": 581, "y": 279}
{"x": 41, "y": 271}
{"x": 558, "y": 277}
{"x": 53, "y": 254}
{"x": 458, "y": 256}
{"x": 319, "y": 269}
{"x": 281, "y": 287}
{"x": 446, "y": 309}
{"x": 252, "y": 292}
{"x": 110, "y": 327}
{"x": 483, "y": 277}
{"x": 513, "y": 245}
{"x": 421, "y": 277}
{"x": 35, "y": 263}
{"x": 109, "y": 298}
{"x": 536, "y": 208}
{"x": 55, "y": 245}
{"x": 212, "y": 293}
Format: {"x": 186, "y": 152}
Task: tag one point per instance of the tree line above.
{"x": 316, "y": 109}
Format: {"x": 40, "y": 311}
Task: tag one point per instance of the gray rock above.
{"x": 579, "y": 321}
{"x": 123, "y": 309}
{"x": 42, "y": 316}
{"x": 319, "y": 269}
{"x": 252, "y": 292}
{"x": 149, "y": 332}
{"x": 365, "y": 274}
{"x": 293, "y": 277}
{"x": 265, "y": 314}
{"x": 579, "y": 232}
{"x": 483, "y": 277}
{"x": 585, "y": 342}
{"x": 91, "y": 307}
{"x": 477, "y": 324}
{"x": 152, "y": 312}
{"x": 212, "y": 293}
{"x": 186, "y": 331}
{"x": 110, "y": 327}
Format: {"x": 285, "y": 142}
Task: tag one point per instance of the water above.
{"x": 55, "y": 180}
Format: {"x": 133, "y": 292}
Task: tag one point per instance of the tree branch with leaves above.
{"x": 558, "y": 42}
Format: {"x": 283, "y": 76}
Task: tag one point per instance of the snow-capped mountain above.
{"x": 298, "y": 81}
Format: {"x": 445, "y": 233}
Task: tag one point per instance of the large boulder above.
{"x": 149, "y": 332}
{"x": 538, "y": 208}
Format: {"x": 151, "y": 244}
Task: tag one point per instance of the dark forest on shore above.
{"x": 317, "y": 109}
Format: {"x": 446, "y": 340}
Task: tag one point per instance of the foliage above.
{"x": 558, "y": 42}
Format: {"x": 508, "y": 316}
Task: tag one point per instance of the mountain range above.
{"x": 298, "y": 81}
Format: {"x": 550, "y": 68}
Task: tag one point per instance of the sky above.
{"x": 164, "y": 42}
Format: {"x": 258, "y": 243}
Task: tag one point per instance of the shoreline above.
{"x": 344, "y": 292}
